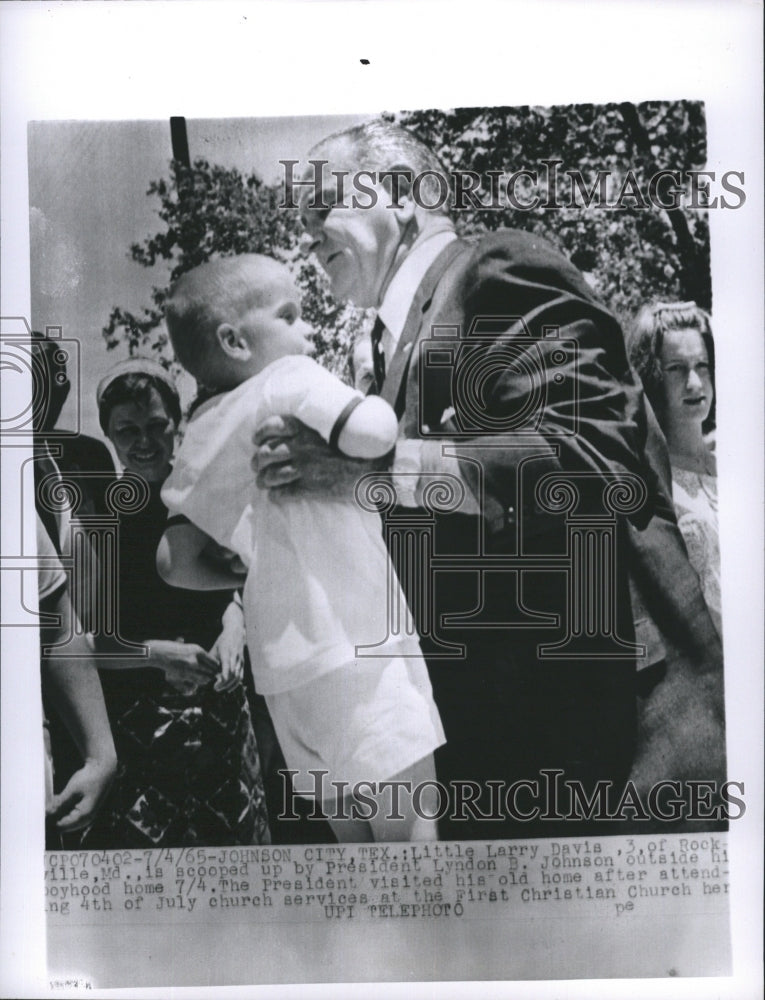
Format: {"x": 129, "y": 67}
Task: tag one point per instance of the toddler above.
{"x": 318, "y": 579}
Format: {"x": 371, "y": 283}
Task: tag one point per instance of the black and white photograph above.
{"x": 437, "y": 659}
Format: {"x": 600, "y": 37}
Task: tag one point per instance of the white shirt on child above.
{"x": 319, "y": 578}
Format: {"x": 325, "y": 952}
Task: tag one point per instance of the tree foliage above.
{"x": 210, "y": 211}
{"x": 629, "y": 254}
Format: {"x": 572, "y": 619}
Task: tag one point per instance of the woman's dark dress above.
{"x": 189, "y": 771}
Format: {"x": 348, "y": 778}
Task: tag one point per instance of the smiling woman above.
{"x": 139, "y": 413}
{"x": 188, "y": 765}
{"x": 143, "y": 436}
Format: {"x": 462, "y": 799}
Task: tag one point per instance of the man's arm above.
{"x": 550, "y": 364}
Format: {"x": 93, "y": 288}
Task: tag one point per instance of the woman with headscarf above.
{"x": 189, "y": 771}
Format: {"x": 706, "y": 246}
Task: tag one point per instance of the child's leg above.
{"x": 413, "y": 827}
{"x": 382, "y": 716}
{"x": 408, "y": 825}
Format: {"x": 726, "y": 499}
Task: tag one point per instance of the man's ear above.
{"x": 233, "y": 342}
{"x": 397, "y": 181}
{"x": 407, "y": 212}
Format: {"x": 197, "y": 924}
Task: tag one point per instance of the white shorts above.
{"x": 365, "y": 721}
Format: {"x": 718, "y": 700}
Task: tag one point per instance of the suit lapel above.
{"x": 399, "y": 364}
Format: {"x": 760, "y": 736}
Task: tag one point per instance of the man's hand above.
{"x": 186, "y": 666}
{"x": 77, "y": 804}
{"x": 292, "y": 460}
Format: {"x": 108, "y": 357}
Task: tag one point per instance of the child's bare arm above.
{"x": 370, "y": 430}
{"x": 188, "y": 558}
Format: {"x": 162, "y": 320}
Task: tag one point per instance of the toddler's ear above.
{"x": 233, "y": 342}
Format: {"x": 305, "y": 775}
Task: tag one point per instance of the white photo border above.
{"x": 119, "y": 61}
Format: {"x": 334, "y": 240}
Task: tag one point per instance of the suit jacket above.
{"x": 508, "y": 359}
{"x": 544, "y": 359}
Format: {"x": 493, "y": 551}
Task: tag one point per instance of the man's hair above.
{"x": 645, "y": 341}
{"x": 382, "y": 145}
{"x": 218, "y": 291}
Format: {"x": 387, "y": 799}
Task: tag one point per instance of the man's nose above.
{"x": 694, "y": 380}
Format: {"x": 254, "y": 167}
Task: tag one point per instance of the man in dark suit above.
{"x": 515, "y": 394}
